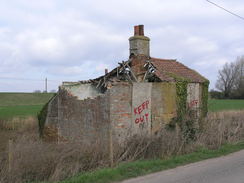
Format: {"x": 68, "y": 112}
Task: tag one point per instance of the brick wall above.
{"x": 120, "y": 110}
{"x": 127, "y": 109}
{"x": 83, "y": 120}
{"x": 137, "y": 66}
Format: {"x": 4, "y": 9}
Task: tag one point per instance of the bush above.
{"x": 216, "y": 94}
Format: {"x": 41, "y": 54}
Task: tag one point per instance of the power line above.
{"x": 21, "y": 79}
{"x": 226, "y": 10}
{"x": 27, "y": 79}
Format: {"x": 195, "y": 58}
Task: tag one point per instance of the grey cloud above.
{"x": 76, "y": 40}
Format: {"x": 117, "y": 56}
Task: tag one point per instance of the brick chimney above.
{"x": 139, "y": 44}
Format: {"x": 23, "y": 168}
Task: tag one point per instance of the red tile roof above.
{"x": 169, "y": 70}
{"x": 166, "y": 70}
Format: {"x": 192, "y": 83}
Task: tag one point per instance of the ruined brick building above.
{"x": 140, "y": 96}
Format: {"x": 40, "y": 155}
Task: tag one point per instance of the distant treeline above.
{"x": 214, "y": 94}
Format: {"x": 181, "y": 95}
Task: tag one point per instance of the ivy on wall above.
{"x": 184, "y": 115}
{"x": 181, "y": 98}
{"x": 42, "y": 118}
{"x": 42, "y": 115}
{"x": 204, "y": 106}
{"x": 181, "y": 94}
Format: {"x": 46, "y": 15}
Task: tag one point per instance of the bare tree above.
{"x": 239, "y": 82}
{"x": 231, "y": 79}
{"x": 227, "y": 78}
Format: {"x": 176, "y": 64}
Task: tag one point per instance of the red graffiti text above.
{"x": 142, "y": 118}
{"x": 141, "y": 108}
{"x": 142, "y": 112}
{"x": 193, "y": 103}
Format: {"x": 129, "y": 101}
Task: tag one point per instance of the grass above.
{"x": 22, "y": 104}
{"x": 21, "y": 99}
{"x": 143, "y": 167}
{"x": 224, "y": 104}
{"x": 7, "y": 112}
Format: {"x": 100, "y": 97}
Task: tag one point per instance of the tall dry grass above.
{"x": 35, "y": 160}
{"x": 222, "y": 127}
{"x": 19, "y": 123}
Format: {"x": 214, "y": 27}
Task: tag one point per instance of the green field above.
{"x": 29, "y": 104}
{"x": 223, "y": 104}
{"x": 22, "y": 104}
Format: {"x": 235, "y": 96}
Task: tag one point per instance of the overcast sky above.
{"x": 71, "y": 40}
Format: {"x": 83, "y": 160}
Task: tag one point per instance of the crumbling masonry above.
{"x": 140, "y": 96}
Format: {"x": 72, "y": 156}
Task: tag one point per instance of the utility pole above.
{"x": 46, "y": 85}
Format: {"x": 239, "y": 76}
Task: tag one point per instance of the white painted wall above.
{"x": 141, "y": 108}
{"x": 82, "y": 91}
{"x": 193, "y": 97}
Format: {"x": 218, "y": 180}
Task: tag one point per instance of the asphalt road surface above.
{"x": 226, "y": 169}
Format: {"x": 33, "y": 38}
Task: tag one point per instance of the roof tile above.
{"x": 167, "y": 68}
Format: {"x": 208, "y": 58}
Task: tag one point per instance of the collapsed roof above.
{"x": 141, "y": 67}
{"x": 148, "y": 70}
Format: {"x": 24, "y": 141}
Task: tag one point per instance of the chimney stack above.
{"x": 139, "y": 30}
{"x": 139, "y": 44}
{"x": 136, "y": 30}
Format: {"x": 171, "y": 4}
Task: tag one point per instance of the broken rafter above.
{"x": 150, "y": 69}
{"x": 104, "y": 82}
{"x": 98, "y": 85}
{"x": 123, "y": 69}
{"x": 126, "y": 69}
{"x": 132, "y": 73}
{"x": 145, "y": 76}
{"x": 128, "y": 78}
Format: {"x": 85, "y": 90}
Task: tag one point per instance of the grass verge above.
{"x": 143, "y": 167}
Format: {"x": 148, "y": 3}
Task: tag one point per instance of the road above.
{"x": 226, "y": 169}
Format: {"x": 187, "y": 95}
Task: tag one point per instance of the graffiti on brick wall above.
{"x": 193, "y": 103}
{"x": 142, "y": 112}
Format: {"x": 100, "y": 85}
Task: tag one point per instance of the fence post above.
{"x": 58, "y": 135}
{"x": 10, "y": 155}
